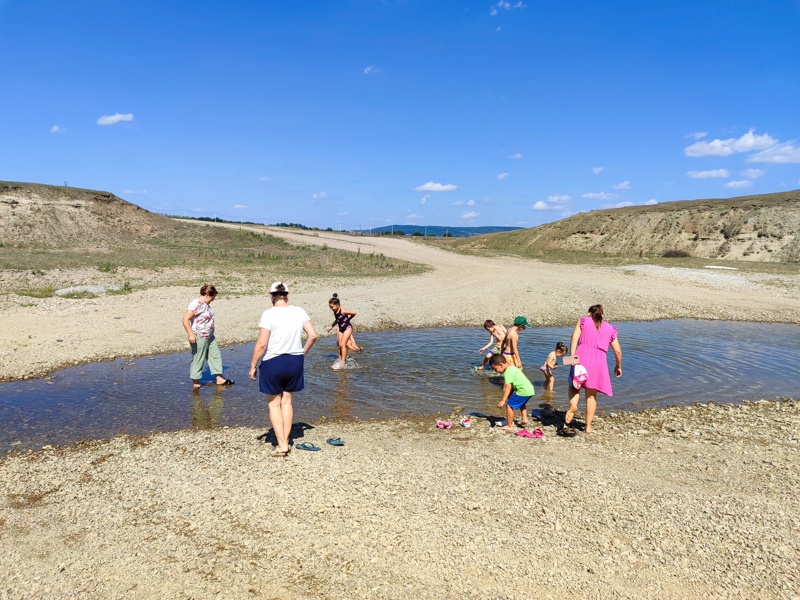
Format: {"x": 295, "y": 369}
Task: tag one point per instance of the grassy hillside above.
{"x": 47, "y": 233}
{"x": 763, "y": 228}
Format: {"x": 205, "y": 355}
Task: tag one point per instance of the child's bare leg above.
{"x": 524, "y": 412}
{"x": 509, "y": 426}
{"x": 486, "y": 360}
{"x": 574, "y": 396}
{"x": 346, "y": 335}
{"x": 351, "y": 343}
{"x": 549, "y": 382}
{"x": 591, "y": 407}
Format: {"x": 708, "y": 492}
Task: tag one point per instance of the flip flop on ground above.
{"x": 308, "y": 446}
{"x": 335, "y": 441}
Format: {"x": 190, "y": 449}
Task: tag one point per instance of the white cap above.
{"x": 274, "y": 288}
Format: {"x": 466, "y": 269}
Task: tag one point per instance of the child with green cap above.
{"x": 510, "y": 346}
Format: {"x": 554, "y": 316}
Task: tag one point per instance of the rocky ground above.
{"x": 688, "y": 502}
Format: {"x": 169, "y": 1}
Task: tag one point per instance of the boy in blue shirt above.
{"x": 517, "y": 390}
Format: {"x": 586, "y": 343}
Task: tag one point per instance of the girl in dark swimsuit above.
{"x": 344, "y": 333}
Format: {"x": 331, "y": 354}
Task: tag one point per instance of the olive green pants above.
{"x": 205, "y": 349}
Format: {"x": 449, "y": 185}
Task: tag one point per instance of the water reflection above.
{"x": 668, "y": 362}
{"x": 206, "y": 415}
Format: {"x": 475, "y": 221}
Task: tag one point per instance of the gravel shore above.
{"x": 682, "y": 502}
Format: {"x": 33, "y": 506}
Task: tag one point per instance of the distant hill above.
{"x": 53, "y": 216}
{"x": 435, "y": 230}
{"x": 763, "y": 228}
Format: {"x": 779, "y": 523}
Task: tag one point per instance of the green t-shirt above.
{"x": 520, "y": 384}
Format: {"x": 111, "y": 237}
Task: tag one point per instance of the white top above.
{"x": 285, "y": 325}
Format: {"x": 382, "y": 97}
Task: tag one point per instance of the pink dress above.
{"x": 592, "y": 351}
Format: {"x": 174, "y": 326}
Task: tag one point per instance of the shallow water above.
{"x": 410, "y": 372}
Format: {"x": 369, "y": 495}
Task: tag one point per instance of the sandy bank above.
{"x": 40, "y": 335}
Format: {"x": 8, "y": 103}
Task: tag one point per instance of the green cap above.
{"x": 522, "y": 321}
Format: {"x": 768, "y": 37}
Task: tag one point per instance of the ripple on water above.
{"x": 409, "y": 372}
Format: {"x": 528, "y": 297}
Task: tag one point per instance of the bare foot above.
{"x": 588, "y": 430}
{"x": 569, "y": 415}
{"x": 523, "y": 423}
{"x": 506, "y": 428}
{"x": 196, "y": 386}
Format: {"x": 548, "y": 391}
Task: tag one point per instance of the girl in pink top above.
{"x": 590, "y": 341}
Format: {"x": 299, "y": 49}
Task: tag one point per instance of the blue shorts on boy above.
{"x": 521, "y": 387}
{"x": 516, "y": 402}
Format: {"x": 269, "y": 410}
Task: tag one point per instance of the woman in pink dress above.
{"x": 590, "y": 341}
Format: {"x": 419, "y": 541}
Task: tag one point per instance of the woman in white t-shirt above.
{"x": 281, "y": 352}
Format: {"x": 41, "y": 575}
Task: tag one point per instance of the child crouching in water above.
{"x": 517, "y": 390}
{"x": 497, "y": 335}
{"x": 551, "y": 363}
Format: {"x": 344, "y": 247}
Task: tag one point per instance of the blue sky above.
{"x": 363, "y": 113}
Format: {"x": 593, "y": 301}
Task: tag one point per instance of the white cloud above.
{"x": 697, "y": 135}
{"x": 424, "y": 199}
{"x": 625, "y": 185}
{"x": 567, "y": 213}
{"x": 458, "y": 203}
{"x": 471, "y": 202}
{"x": 239, "y": 206}
{"x": 412, "y": 216}
{"x": 57, "y": 129}
{"x": 131, "y": 192}
{"x": 599, "y": 196}
{"x": 651, "y": 202}
{"x": 371, "y": 69}
{"x": 748, "y": 142}
{"x": 753, "y": 173}
{"x": 736, "y": 185}
{"x": 505, "y": 5}
{"x": 435, "y": 187}
{"x": 502, "y": 176}
{"x": 620, "y": 204}
{"x": 114, "y": 119}
{"x": 598, "y": 170}
{"x": 552, "y": 203}
{"x": 708, "y": 174}
{"x": 470, "y": 215}
{"x": 320, "y": 196}
{"x": 265, "y": 179}
{"x": 782, "y": 154}
{"x": 516, "y": 156}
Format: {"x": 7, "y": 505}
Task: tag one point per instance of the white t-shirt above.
{"x": 285, "y": 325}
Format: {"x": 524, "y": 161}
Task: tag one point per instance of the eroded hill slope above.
{"x": 754, "y": 228}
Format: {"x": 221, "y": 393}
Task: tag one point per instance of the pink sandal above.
{"x": 444, "y": 424}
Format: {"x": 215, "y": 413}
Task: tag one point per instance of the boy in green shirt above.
{"x": 517, "y": 390}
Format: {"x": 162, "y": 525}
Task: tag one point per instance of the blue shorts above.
{"x": 283, "y": 373}
{"x": 517, "y": 402}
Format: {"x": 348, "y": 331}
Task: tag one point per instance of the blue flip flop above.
{"x": 308, "y": 446}
{"x": 335, "y": 441}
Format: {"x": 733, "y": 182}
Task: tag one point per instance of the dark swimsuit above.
{"x": 343, "y": 321}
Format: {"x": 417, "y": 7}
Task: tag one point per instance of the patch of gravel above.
{"x": 87, "y": 289}
{"x": 699, "y": 502}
